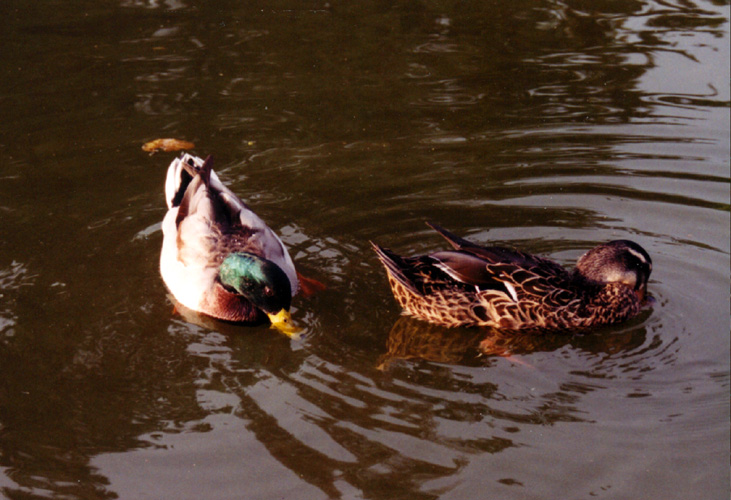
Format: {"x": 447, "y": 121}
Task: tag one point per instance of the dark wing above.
{"x": 425, "y": 274}
{"x": 498, "y": 255}
{"x": 472, "y": 270}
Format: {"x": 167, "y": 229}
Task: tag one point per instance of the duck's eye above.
{"x": 268, "y": 291}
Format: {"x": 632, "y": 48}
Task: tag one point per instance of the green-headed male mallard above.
{"x": 218, "y": 257}
{"x": 507, "y": 289}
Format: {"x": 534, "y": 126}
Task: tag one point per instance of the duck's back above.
{"x": 211, "y": 220}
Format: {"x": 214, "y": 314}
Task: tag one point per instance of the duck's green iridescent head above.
{"x": 263, "y": 283}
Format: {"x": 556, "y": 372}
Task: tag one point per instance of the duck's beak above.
{"x": 282, "y": 321}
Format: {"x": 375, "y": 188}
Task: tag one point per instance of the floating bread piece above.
{"x": 167, "y": 145}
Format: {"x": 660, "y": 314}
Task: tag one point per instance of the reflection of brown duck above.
{"x": 501, "y": 288}
{"x": 410, "y": 338}
{"x": 413, "y": 339}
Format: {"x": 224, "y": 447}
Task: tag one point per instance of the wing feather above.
{"x": 497, "y": 255}
{"x": 472, "y": 270}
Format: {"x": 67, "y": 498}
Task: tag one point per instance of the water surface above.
{"x": 550, "y": 126}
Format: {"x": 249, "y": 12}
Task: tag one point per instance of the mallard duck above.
{"x": 218, "y": 257}
{"x": 506, "y": 289}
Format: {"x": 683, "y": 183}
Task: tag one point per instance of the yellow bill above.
{"x": 282, "y": 321}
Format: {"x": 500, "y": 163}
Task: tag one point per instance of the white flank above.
{"x": 187, "y": 283}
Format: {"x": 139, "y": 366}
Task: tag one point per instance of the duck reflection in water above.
{"x": 413, "y": 339}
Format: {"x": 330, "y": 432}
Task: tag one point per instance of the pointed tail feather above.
{"x": 206, "y": 170}
{"x": 195, "y": 166}
{"x": 192, "y": 164}
{"x": 454, "y": 240}
{"x": 181, "y": 172}
{"x": 394, "y": 265}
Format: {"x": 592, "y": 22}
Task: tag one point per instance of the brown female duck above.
{"x": 502, "y": 288}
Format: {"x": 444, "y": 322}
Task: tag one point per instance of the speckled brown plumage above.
{"x": 511, "y": 290}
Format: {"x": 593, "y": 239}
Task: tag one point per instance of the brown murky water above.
{"x": 546, "y": 125}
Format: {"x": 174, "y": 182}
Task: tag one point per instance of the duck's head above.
{"x": 263, "y": 283}
{"x": 619, "y": 261}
